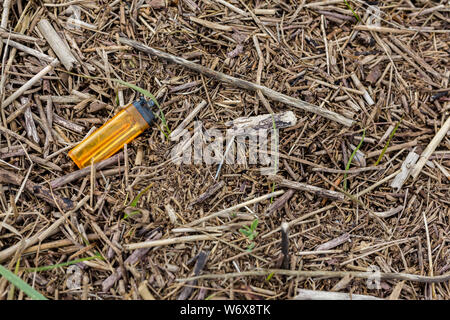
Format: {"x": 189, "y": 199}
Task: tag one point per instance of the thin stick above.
{"x": 38, "y": 237}
{"x": 333, "y": 243}
{"x": 349, "y": 171}
{"x": 430, "y": 257}
{"x": 66, "y": 123}
{"x": 305, "y": 294}
{"x": 19, "y": 36}
{"x": 360, "y": 87}
{"x": 30, "y": 83}
{"x": 9, "y": 165}
{"x": 211, "y": 25}
{"x": 389, "y": 213}
{"x": 430, "y": 149}
{"x": 259, "y": 23}
{"x": 30, "y": 126}
{"x": 92, "y": 183}
{"x": 406, "y": 168}
{"x": 279, "y": 120}
{"x": 285, "y": 245}
{"x": 335, "y": 86}
{"x": 209, "y": 192}
{"x": 5, "y": 13}
{"x": 167, "y": 242}
{"x": 416, "y": 57}
{"x": 45, "y": 163}
{"x": 274, "y": 95}
{"x": 109, "y": 282}
{"x": 383, "y": 29}
{"x": 19, "y": 137}
{"x": 232, "y": 7}
{"x": 443, "y": 170}
{"x": 378, "y": 183}
{"x": 49, "y": 112}
{"x": 60, "y": 48}
{"x": 4, "y": 21}
{"x": 328, "y": 274}
{"x": 57, "y": 244}
{"x": 18, "y": 112}
{"x": 299, "y": 219}
{"x": 61, "y": 181}
{"x": 321, "y": 3}
{"x": 393, "y": 148}
{"x": 234, "y": 208}
{"x": 325, "y": 42}
{"x": 429, "y": 10}
{"x": 37, "y": 54}
{"x": 291, "y": 172}
{"x": 407, "y": 59}
{"x": 46, "y": 127}
{"x": 36, "y": 190}
{"x": 22, "y": 186}
{"x": 279, "y": 203}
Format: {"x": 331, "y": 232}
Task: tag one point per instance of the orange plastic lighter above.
{"x": 111, "y": 137}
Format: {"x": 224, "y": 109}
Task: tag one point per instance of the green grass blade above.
{"x": 354, "y": 13}
{"x": 135, "y": 202}
{"x": 20, "y": 284}
{"x": 64, "y": 264}
{"x": 273, "y": 190}
{"x": 387, "y": 142}
{"x": 132, "y": 213}
{"x": 211, "y": 296}
{"x": 270, "y": 276}
{"x": 245, "y": 232}
{"x": 136, "y": 199}
{"x": 351, "y": 158}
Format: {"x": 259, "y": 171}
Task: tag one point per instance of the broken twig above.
{"x": 274, "y": 95}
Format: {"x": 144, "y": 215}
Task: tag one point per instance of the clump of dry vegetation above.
{"x": 363, "y": 172}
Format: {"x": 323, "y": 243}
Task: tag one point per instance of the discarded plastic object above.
{"x": 114, "y": 134}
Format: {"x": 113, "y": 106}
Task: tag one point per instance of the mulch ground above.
{"x": 384, "y": 65}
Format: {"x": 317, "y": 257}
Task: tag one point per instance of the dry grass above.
{"x": 391, "y": 65}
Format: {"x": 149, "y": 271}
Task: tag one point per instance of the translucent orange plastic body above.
{"x": 109, "y": 138}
